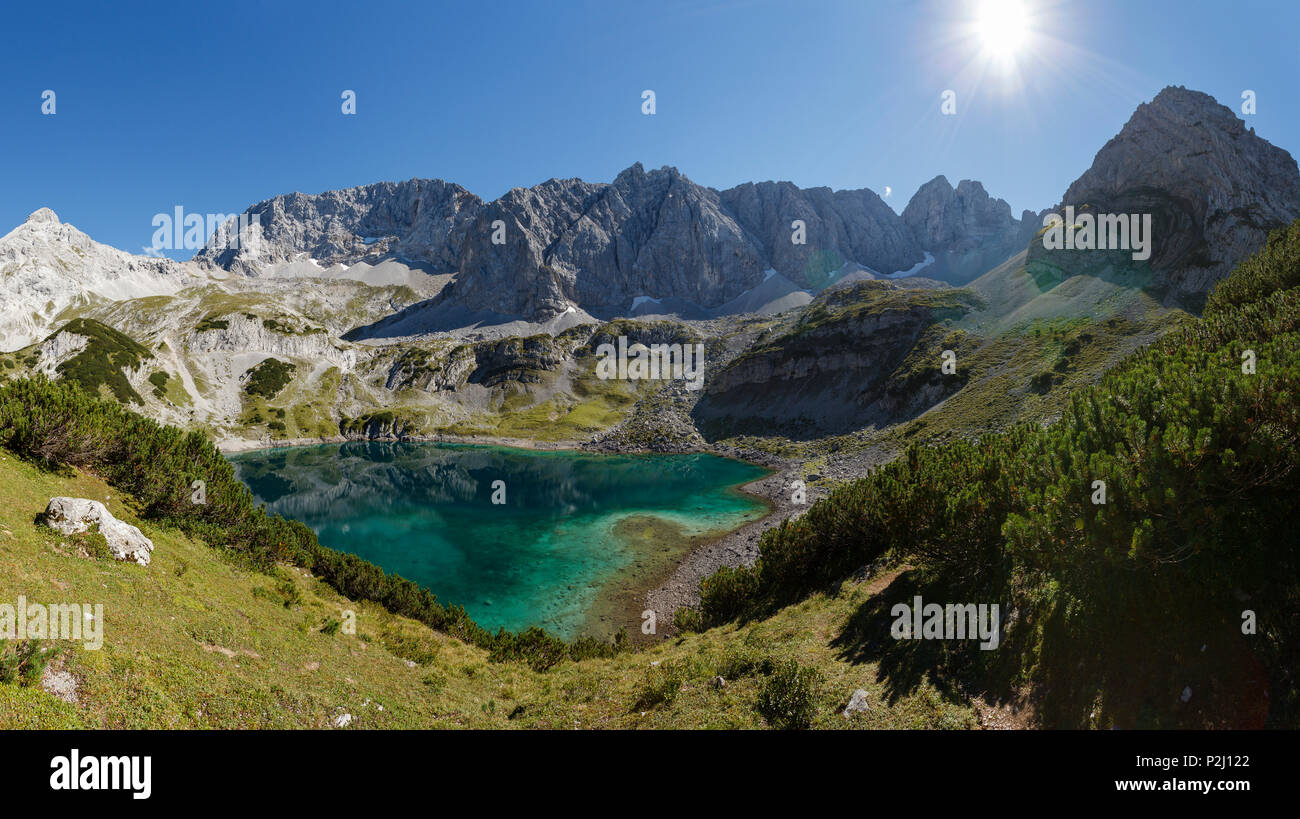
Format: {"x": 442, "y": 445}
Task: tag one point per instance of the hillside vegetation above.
{"x": 58, "y": 426}
{"x": 201, "y": 639}
{"x": 1168, "y": 601}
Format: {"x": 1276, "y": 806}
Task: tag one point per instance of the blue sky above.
{"x": 215, "y": 106}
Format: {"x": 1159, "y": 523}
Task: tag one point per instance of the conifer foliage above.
{"x": 1157, "y": 510}
{"x": 60, "y": 425}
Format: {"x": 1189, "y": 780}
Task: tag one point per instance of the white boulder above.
{"x": 74, "y": 515}
{"x": 857, "y": 703}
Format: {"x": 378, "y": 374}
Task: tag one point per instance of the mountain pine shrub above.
{"x": 58, "y": 425}
{"x": 1200, "y": 461}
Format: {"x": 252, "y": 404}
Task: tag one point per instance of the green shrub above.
{"x": 745, "y": 661}
{"x": 22, "y": 662}
{"x": 103, "y": 360}
{"x": 585, "y": 648}
{"x": 211, "y": 323}
{"x": 93, "y": 542}
{"x": 286, "y": 329}
{"x": 725, "y": 595}
{"x": 688, "y": 619}
{"x": 406, "y": 647}
{"x": 159, "y": 380}
{"x": 268, "y": 378}
{"x": 1275, "y": 267}
{"x": 787, "y": 699}
{"x": 285, "y": 592}
{"x": 534, "y": 646}
{"x": 660, "y": 686}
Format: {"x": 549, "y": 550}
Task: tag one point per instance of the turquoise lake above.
{"x": 571, "y": 526}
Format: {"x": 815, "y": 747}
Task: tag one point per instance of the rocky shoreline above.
{"x": 230, "y": 446}
{"x": 738, "y": 547}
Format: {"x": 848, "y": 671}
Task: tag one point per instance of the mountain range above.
{"x": 417, "y": 307}
{"x": 650, "y": 241}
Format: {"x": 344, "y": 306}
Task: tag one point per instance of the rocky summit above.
{"x": 567, "y": 246}
{"x": 1213, "y": 187}
{"x": 966, "y": 230}
{"x": 47, "y": 267}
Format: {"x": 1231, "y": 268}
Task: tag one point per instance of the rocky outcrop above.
{"x": 841, "y": 226}
{"x": 859, "y": 703}
{"x": 57, "y": 348}
{"x": 836, "y": 368}
{"x": 431, "y": 370}
{"x": 967, "y": 231}
{"x": 642, "y": 332}
{"x": 488, "y": 363}
{"x": 420, "y": 219}
{"x": 1213, "y": 188}
{"x": 380, "y": 425}
{"x": 48, "y": 266}
{"x": 76, "y": 515}
{"x": 230, "y": 333}
{"x": 944, "y": 218}
{"x": 515, "y": 359}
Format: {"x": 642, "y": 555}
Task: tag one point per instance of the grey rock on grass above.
{"x": 74, "y": 515}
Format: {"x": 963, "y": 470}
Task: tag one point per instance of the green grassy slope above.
{"x": 194, "y": 640}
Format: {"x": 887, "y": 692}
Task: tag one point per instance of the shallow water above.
{"x": 425, "y": 511}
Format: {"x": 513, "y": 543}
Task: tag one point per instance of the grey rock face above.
{"x": 488, "y": 363}
{"x": 841, "y": 226}
{"x": 1214, "y": 189}
{"x": 967, "y": 231}
{"x": 834, "y": 370}
{"x": 600, "y": 246}
{"x": 943, "y": 218}
{"x": 420, "y": 219}
{"x": 858, "y": 703}
{"x": 574, "y": 244}
{"x": 515, "y": 359}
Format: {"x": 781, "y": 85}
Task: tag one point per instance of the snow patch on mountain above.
{"x": 914, "y": 269}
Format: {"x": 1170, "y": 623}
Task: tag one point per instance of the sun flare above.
{"x": 1002, "y": 28}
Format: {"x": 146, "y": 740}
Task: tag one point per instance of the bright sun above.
{"x": 1002, "y": 28}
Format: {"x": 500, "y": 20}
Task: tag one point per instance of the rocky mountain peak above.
{"x": 43, "y": 215}
{"x": 50, "y": 266}
{"x": 630, "y": 174}
{"x": 419, "y": 219}
{"x": 948, "y": 219}
{"x": 657, "y": 180}
{"x": 1212, "y": 186}
{"x": 838, "y": 227}
{"x": 1177, "y": 103}
{"x": 1185, "y": 139}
